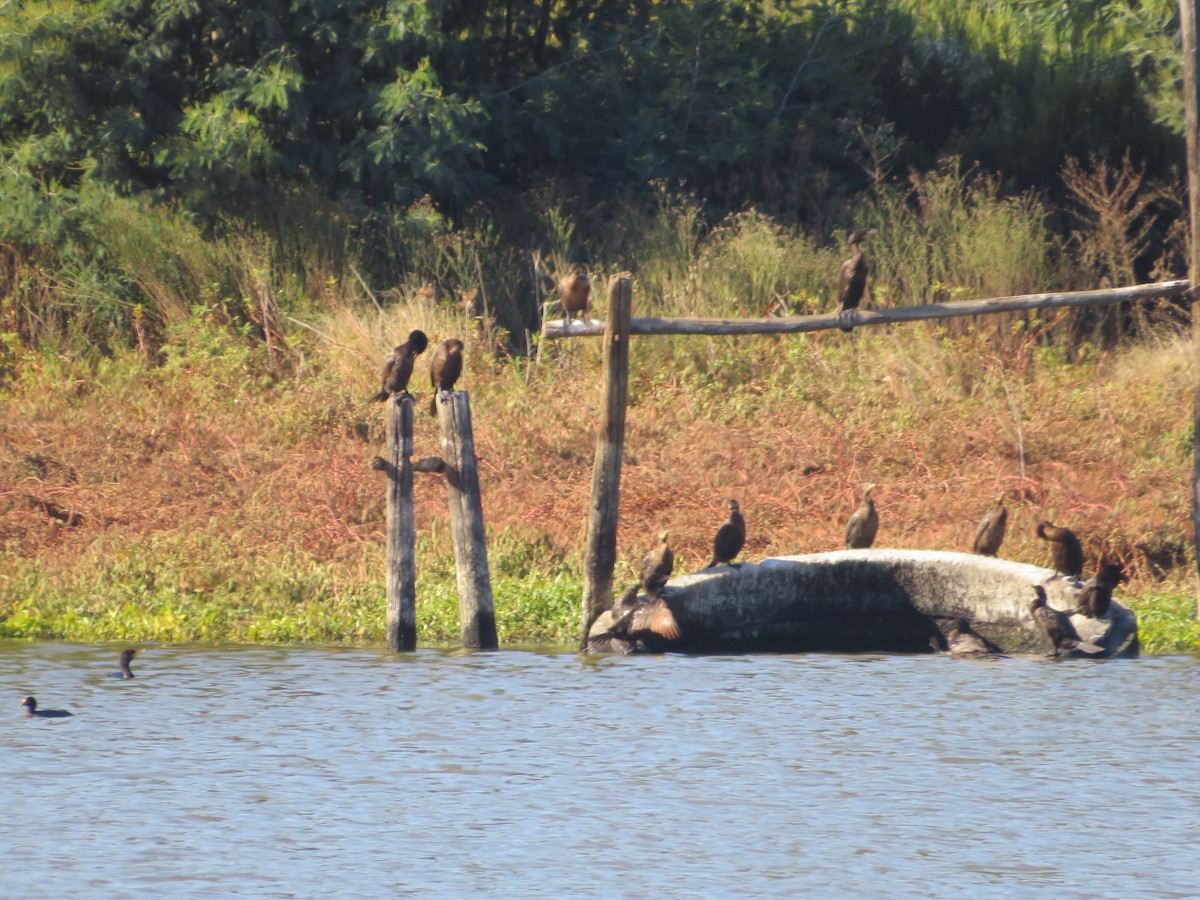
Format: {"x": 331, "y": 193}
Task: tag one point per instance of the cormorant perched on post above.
{"x": 1096, "y": 596}
{"x": 125, "y": 671}
{"x": 1068, "y": 552}
{"x": 963, "y": 643}
{"x": 657, "y": 566}
{"x": 990, "y": 533}
{"x": 1056, "y": 626}
{"x": 573, "y": 292}
{"x": 444, "y": 369}
{"x": 728, "y": 541}
{"x": 399, "y": 365}
{"x": 31, "y": 709}
{"x": 852, "y": 279}
{"x": 861, "y": 529}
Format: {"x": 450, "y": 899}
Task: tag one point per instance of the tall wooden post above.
{"x": 476, "y": 612}
{"x": 401, "y": 537}
{"x": 606, "y": 469}
{"x": 1191, "y": 70}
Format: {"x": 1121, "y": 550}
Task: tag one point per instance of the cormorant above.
{"x": 657, "y": 566}
{"x": 637, "y": 624}
{"x": 125, "y": 672}
{"x": 444, "y": 369}
{"x": 990, "y": 533}
{"x": 962, "y": 642}
{"x": 852, "y": 279}
{"x": 1068, "y": 552}
{"x": 1096, "y": 596}
{"x": 728, "y": 541}
{"x": 1056, "y": 626}
{"x": 861, "y": 529}
{"x": 399, "y": 365}
{"x": 31, "y": 709}
{"x": 573, "y": 292}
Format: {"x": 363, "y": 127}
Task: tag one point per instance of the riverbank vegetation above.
{"x": 211, "y": 242}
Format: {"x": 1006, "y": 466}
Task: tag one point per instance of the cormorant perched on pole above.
{"x": 399, "y": 365}
{"x": 1068, "y": 552}
{"x": 573, "y": 292}
{"x": 728, "y": 541}
{"x": 1056, "y": 626}
{"x": 863, "y": 525}
{"x": 852, "y": 279}
{"x": 1096, "y": 596}
{"x": 657, "y": 566}
{"x": 444, "y": 369}
{"x": 990, "y": 533}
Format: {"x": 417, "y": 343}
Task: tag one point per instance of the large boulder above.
{"x": 877, "y": 600}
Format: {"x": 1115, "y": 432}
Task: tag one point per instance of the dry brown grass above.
{"x": 280, "y": 468}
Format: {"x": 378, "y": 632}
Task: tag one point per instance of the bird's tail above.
{"x": 433, "y": 404}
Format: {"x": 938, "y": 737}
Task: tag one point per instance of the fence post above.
{"x": 401, "y": 622}
{"x": 1191, "y": 71}
{"x": 606, "y": 468}
{"x": 476, "y": 612}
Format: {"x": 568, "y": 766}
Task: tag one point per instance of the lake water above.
{"x": 299, "y": 772}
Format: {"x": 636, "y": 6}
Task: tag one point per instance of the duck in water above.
{"x": 31, "y": 710}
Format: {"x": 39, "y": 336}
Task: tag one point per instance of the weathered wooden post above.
{"x": 1191, "y": 71}
{"x": 401, "y": 536}
{"x": 475, "y": 606}
{"x": 610, "y": 446}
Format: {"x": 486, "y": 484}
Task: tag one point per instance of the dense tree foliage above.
{"x": 787, "y": 105}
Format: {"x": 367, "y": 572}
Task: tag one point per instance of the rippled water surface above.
{"x": 274, "y": 772}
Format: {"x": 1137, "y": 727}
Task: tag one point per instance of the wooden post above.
{"x": 606, "y": 469}
{"x": 475, "y": 608}
{"x": 401, "y": 536}
{"x": 1191, "y": 71}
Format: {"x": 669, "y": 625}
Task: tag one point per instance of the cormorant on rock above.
{"x": 125, "y": 672}
{"x": 399, "y": 365}
{"x": 657, "y": 566}
{"x": 637, "y": 624}
{"x": 852, "y": 279}
{"x": 728, "y": 541}
{"x": 990, "y": 533}
{"x": 1096, "y": 596}
{"x": 863, "y": 525}
{"x": 962, "y": 642}
{"x": 1068, "y": 552}
{"x": 573, "y": 292}
{"x": 1055, "y": 625}
{"x": 31, "y": 709}
{"x": 444, "y": 369}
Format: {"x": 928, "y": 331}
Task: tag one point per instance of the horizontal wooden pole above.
{"x": 557, "y": 329}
